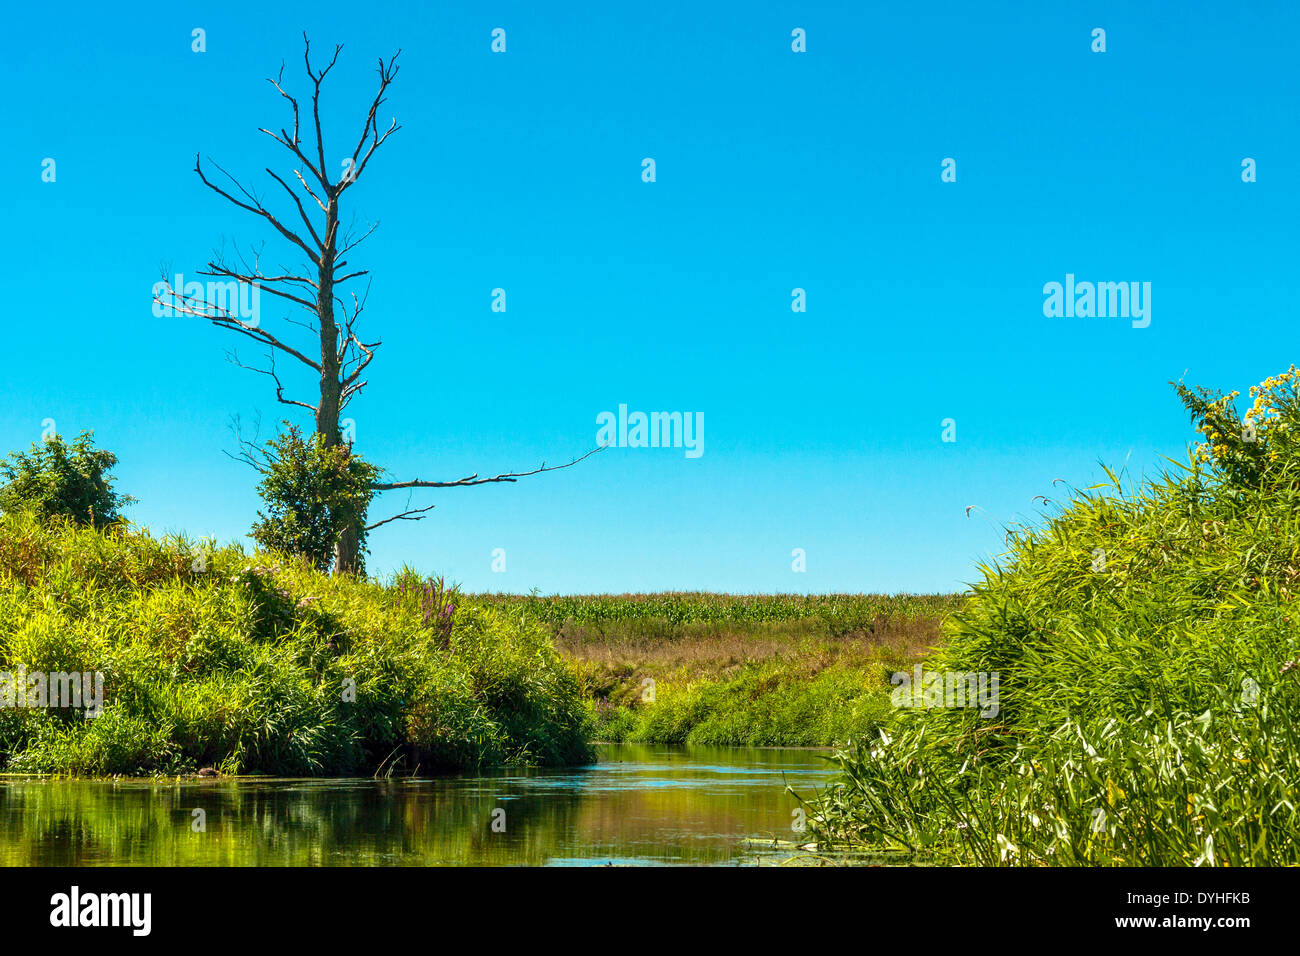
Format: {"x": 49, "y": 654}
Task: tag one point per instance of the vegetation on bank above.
{"x": 772, "y": 670}
{"x": 62, "y": 479}
{"x": 216, "y": 657}
{"x": 1147, "y": 640}
{"x": 738, "y": 670}
{"x": 259, "y": 663}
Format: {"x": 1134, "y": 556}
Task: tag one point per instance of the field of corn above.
{"x": 622, "y": 613}
{"x": 739, "y": 670}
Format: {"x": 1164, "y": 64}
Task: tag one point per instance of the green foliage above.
{"x": 56, "y": 479}
{"x": 1214, "y": 789}
{"x": 313, "y": 493}
{"x": 260, "y": 663}
{"x": 1147, "y": 643}
{"x": 1254, "y": 449}
{"x": 774, "y": 704}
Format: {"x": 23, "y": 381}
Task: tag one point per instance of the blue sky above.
{"x": 775, "y": 170}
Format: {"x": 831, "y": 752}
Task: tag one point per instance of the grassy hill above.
{"x": 255, "y": 663}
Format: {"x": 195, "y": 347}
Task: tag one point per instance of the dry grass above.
{"x": 718, "y": 651}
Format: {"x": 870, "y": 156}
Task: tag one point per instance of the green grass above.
{"x": 1149, "y": 702}
{"x": 737, "y": 670}
{"x": 247, "y": 664}
{"x": 766, "y": 705}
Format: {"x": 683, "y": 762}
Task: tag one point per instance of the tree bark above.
{"x": 331, "y": 383}
{"x": 345, "y": 551}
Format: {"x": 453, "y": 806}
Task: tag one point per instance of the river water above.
{"x": 637, "y": 805}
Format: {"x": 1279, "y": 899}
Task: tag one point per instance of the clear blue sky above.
{"x": 775, "y": 170}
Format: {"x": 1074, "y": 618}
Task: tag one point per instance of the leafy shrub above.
{"x": 313, "y": 493}
{"x": 771, "y": 704}
{"x": 1254, "y": 449}
{"x": 56, "y": 479}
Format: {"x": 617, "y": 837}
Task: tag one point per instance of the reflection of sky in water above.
{"x": 638, "y": 805}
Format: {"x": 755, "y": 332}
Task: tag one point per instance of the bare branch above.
{"x": 217, "y": 315}
{"x": 294, "y": 144}
{"x": 404, "y": 516}
{"x": 297, "y": 202}
{"x": 217, "y": 269}
{"x": 251, "y": 453}
{"x": 352, "y": 244}
{"x": 387, "y": 72}
{"x": 279, "y": 386}
{"x": 476, "y": 480}
{"x": 315, "y": 103}
{"x": 256, "y": 208}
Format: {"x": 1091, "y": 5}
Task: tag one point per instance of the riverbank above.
{"x": 213, "y": 657}
{"x": 737, "y": 670}
{"x": 182, "y": 656}
{"x": 1146, "y": 637}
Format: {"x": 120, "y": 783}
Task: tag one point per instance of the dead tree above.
{"x": 338, "y": 353}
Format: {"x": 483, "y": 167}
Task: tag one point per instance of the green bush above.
{"x": 313, "y": 493}
{"x": 56, "y": 479}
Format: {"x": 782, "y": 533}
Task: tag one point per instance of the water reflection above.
{"x": 636, "y": 805}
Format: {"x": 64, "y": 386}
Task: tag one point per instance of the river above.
{"x": 636, "y": 805}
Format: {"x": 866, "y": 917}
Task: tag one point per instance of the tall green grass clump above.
{"x": 775, "y": 703}
{"x": 1148, "y": 650}
{"x": 259, "y": 663}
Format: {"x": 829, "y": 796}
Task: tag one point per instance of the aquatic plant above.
{"x": 436, "y": 604}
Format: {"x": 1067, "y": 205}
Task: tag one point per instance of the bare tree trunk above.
{"x": 331, "y": 383}
{"x": 345, "y": 551}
